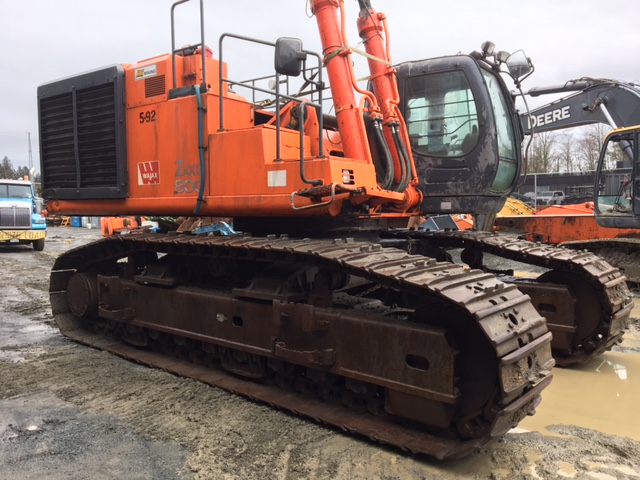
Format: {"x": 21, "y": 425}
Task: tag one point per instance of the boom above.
{"x": 612, "y": 102}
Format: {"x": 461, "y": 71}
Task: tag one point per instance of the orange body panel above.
{"x": 160, "y": 71}
{"x": 562, "y": 223}
{"x": 243, "y": 176}
{"x": 171, "y": 143}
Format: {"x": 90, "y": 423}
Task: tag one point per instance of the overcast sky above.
{"x": 43, "y": 40}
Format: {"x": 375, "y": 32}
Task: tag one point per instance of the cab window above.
{"x": 442, "y": 117}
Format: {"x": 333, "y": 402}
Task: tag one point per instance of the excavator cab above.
{"x": 618, "y": 205}
{"x": 461, "y": 119}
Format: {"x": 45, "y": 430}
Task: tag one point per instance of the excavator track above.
{"x": 586, "y": 301}
{"x": 624, "y": 253}
{"x": 426, "y": 356}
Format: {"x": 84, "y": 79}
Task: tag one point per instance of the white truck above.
{"x": 21, "y": 219}
{"x": 550, "y": 197}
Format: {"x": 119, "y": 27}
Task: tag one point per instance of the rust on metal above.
{"x": 427, "y": 356}
{"x": 586, "y": 300}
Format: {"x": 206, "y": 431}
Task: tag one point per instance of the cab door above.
{"x": 617, "y": 198}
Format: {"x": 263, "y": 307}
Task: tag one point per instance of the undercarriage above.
{"x": 585, "y": 300}
{"x": 428, "y": 356}
{"x": 622, "y": 252}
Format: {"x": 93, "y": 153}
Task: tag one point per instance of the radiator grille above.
{"x": 96, "y": 136}
{"x": 82, "y": 136}
{"x": 57, "y": 141}
{"x": 15, "y": 217}
{"x": 154, "y": 86}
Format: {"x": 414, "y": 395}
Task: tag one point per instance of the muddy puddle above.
{"x": 600, "y": 395}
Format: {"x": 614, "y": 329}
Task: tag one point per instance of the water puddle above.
{"x": 601, "y": 395}
{"x": 566, "y": 470}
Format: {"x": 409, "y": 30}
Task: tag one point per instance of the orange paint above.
{"x": 182, "y": 153}
{"x": 243, "y": 175}
{"x": 562, "y": 223}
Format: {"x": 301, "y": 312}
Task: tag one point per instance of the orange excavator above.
{"x": 322, "y": 305}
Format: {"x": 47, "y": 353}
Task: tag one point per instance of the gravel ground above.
{"x": 71, "y": 412}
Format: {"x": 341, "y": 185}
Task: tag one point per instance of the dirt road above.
{"x": 68, "y": 411}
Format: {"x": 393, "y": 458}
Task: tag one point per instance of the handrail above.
{"x": 302, "y": 109}
{"x": 182, "y": 49}
{"x": 279, "y": 97}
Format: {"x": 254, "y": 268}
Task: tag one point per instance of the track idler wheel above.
{"x": 82, "y": 295}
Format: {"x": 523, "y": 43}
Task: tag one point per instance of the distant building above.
{"x": 573, "y": 183}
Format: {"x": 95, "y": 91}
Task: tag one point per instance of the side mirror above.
{"x": 39, "y": 204}
{"x": 289, "y": 56}
{"x": 518, "y": 64}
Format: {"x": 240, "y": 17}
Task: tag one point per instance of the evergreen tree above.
{"x": 22, "y": 172}
{"x": 6, "y": 168}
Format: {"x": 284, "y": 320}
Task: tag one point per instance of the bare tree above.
{"x": 616, "y": 156}
{"x": 566, "y": 153}
{"x": 542, "y": 155}
{"x": 588, "y": 146}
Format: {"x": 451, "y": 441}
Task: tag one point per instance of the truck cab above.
{"x": 21, "y": 220}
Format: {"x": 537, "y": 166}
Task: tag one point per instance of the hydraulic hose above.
{"x": 403, "y": 157}
{"x": 201, "y": 148}
{"x": 385, "y": 154}
{"x": 407, "y": 159}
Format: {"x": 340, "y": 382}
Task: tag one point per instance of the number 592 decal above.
{"x": 148, "y": 116}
